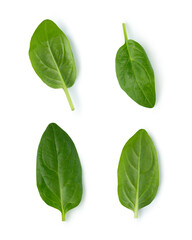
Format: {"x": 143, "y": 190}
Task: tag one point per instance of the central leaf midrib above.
{"x": 59, "y": 177}
{"x": 126, "y": 42}
{"x": 138, "y": 180}
{"x": 58, "y": 70}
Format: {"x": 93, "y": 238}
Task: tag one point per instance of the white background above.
{"x": 103, "y": 120}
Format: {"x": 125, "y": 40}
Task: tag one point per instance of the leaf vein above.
{"x": 43, "y": 177}
{"x": 148, "y": 185}
{"x": 142, "y": 67}
{"x": 128, "y": 198}
{"x": 127, "y": 175}
{"x": 43, "y": 63}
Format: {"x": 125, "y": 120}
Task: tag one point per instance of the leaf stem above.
{"x": 125, "y": 32}
{"x": 68, "y": 97}
{"x": 63, "y": 216}
{"x": 136, "y": 212}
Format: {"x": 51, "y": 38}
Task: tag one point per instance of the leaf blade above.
{"x": 52, "y": 58}
{"x": 59, "y": 173}
{"x": 135, "y": 73}
{"x": 145, "y": 176}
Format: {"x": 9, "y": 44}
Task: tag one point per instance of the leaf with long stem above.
{"x": 135, "y": 73}
{"x": 52, "y": 58}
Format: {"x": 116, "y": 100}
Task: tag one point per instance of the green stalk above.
{"x": 125, "y": 32}
{"x": 68, "y": 97}
{"x": 136, "y": 212}
{"x": 63, "y": 216}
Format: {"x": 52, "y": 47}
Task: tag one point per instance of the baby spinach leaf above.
{"x": 59, "y": 174}
{"x": 138, "y": 172}
{"x": 52, "y": 58}
{"x": 134, "y": 73}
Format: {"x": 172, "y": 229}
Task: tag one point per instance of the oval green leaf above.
{"x": 138, "y": 172}
{"x": 135, "y": 73}
{"x": 59, "y": 173}
{"x": 52, "y": 58}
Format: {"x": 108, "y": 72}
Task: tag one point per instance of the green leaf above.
{"x": 134, "y": 73}
{"x": 138, "y": 172}
{"x": 59, "y": 174}
{"x": 52, "y": 58}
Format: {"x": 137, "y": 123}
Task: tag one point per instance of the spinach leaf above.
{"x": 134, "y": 72}
{"x": 138, "y": 172}
{"x": 59, "y": 174}
{"x": 52, "y": 58}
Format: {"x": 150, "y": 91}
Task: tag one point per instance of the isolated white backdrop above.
{"x": 103, "y": 120}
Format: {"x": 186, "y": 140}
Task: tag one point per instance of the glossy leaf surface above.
{"x": 52, "y": 58}
{"x": 138, "y": 172}
{"x": 59, "y": 174}
{"x": 134, "y": 73}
